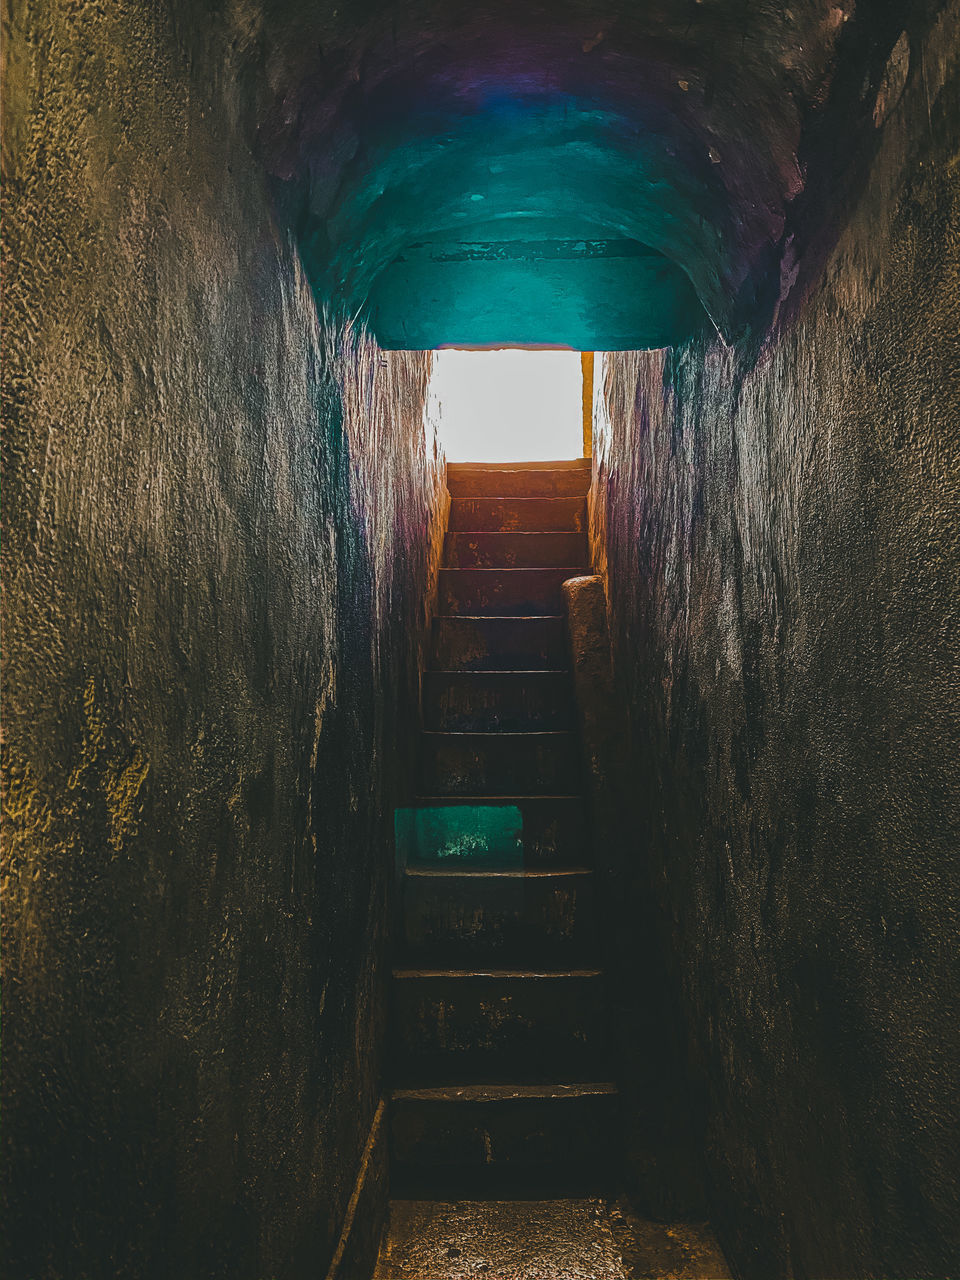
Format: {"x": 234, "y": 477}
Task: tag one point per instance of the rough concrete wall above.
{"x": 217, "y": 547}
{"x": 782, "y": 545}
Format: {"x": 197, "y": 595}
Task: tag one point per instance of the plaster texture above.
{"x": 221, "y": 527}
{"x": 221, "y": 519}
{"x": 660, "y": 1124}
{"x": 779, "y": 536}
{"x": 586, "y": 1239}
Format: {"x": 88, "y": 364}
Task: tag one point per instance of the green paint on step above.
{"x": 447, "y": 833}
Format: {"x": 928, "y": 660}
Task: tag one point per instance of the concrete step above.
{"x": 519, "y": 480}
{"x": 539, "y": 464}
{"x": 492, "y": 831}
{"x": 479, "y": 550}
{"x": 504, "y": 592}
{"x": 463, "y": 643}
{"x": 459, "y": 1024}
{"x": 521, "y": 515}
{"x": 493, "y": 763}
{"x": 498, "y": 917}
{"x": 504, "y": 700}
{"x": 543, "y": 1131}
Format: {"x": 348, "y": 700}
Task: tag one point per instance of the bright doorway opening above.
{"x": 508, "y": 405}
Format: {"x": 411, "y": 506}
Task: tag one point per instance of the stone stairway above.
{"x": 498, "y": 1024}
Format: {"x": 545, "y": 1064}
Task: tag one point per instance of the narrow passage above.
{"x": 503, "y": 1076}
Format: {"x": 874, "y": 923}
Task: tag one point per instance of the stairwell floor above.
{"x": 563, "y": 1239}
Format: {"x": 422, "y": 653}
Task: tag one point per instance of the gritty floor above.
{"x": 597, "y": 1239}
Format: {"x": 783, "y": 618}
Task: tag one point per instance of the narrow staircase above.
{"x": 498, "y": 1036}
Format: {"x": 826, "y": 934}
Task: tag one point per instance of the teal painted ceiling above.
{"x": 585, "y": 175}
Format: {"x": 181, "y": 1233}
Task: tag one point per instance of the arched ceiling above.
{"x": 597, "y": 176}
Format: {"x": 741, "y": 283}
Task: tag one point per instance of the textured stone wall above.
{"x": 220, "y": 522}
{"x": 781, "y": 539}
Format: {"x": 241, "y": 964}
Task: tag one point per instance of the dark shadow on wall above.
{"x": 209, "y": 568}
{"x": 779, "y": 540}
{"x": 214, "y": 594}
{"x": 662, "y": 1103}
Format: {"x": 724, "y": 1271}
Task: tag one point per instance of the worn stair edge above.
{"x": 512, "y": 549}
{"x": 487, "y": 1134}
{"x": 510, "y": 916}
{"x": 504, "y": 1092}
{"x": 471, "y": 642}
{"x": 546, "y": 483}
{"x": 494, "y": 1023}
{"x": 478, "y": 971}
{"x": 508, "y": 514}
{"x": 549, "y": 464}
{"x": 511, "y": 735}
{"x": 499, "y": 618}
{"x": 511, "y": 701}
{"x": 515, "y": 678}
{"x": 504, "y": 592}
{"x": 433, "y": 800}
{"x": 528, "y": 873}
{"x": 427, "y": 801}
{"x": 543, "y": 762}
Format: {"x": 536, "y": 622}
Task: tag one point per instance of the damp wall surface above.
{"x": 781, "y": 543}
{"x": 220, "y": 525}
